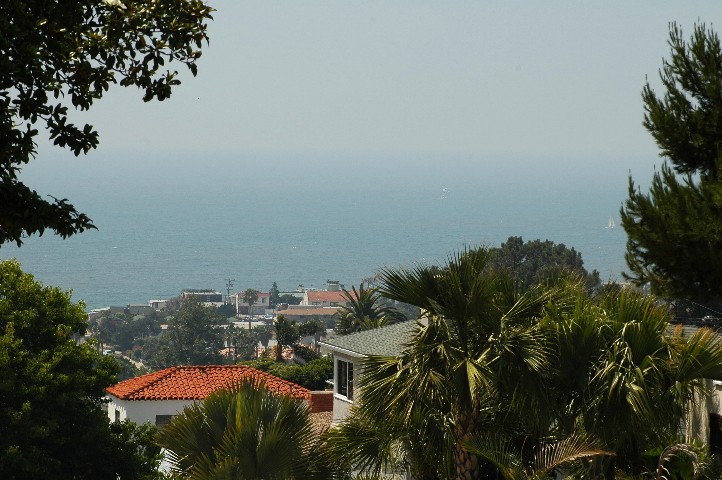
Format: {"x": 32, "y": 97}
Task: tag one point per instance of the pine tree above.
{"x": 675, "y": 230}
{"x": 275, "y": 296}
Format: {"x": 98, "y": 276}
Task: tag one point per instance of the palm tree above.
{"x": 250, "y": 296}
{"x": 364, "y": 311}
{"x": 465, "y": 365}
{"x": 420, "y": 446}
{"x": 533, "y": 368}
{"x": 572, "y": 453}
{"x": 626, "y": 377}
{"x": 246, "y": 432}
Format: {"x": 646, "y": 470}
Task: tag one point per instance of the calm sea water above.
{"x": 167, "y": 224}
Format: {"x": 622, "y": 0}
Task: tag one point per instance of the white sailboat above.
{"x": 611, "y": 223}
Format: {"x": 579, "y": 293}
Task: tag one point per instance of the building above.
{"x": 157, "y": 397}
{"x": 324, "y": 299}
{"x": 350, "y": 352}
{"x": 209, "y": 298}
{"x": 158, "y": 305}
{"x": 259, "y": 308}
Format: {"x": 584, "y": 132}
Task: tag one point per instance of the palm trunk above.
{"x": 466, "y": 464}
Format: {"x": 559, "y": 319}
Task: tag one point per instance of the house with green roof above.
{"x": 350, "y": 352}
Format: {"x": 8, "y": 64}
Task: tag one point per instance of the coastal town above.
{"x": 467, "y": 339}
{"x": 249, "y": 309}
{"x": 300, "y": 304}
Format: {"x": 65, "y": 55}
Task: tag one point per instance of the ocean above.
{"x": 168, "y": 222}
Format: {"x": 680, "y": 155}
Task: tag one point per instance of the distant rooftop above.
{"x": 327, "y": 296}
{"x": 387, "y": 341}
{"x": 260, "y": 294}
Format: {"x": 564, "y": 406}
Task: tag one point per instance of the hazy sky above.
{"x": 477, "y": 81}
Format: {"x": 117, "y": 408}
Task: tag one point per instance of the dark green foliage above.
{"x": 123, "y": 331}
{"x": 312, "y": 375}
{"x": 193, "y": 337}
{"x": 128, "y": 370}
{"x": 131, "y": 452}
{"x": 274, "y": 296}
{"x": 264, "y": 334}
{"x": 250, "y": 296}
{"x": 66, "y": 54}
{"x": 287, "y": 335}
{"x": 242, "y": 342}
{"x": 675, "y": 230}
{"x": 302, "y": 353}
{"x": 537, "y": 261}
{"x": 314, "y": 328}
{"x": 365, "y": 310}
{"x": 226, "y": 310}
{"x": 289, "y": 298}
{"x": 246, "y": 432}
{"x": 53, "y": 423}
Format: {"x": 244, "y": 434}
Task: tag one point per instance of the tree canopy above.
{"x": 51, "y": 392}
{"x": 274, "y": 296}
{"x": 289, "y": 298}
{"x": 67, "y": 53}
{"x": 538, "y": 261}
{"x": 193, "y": 337}
{"x": 287, "y": 335}
{"x": 675, "y": 230}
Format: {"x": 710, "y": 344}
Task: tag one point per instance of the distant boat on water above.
{"x": 610, "y": 224}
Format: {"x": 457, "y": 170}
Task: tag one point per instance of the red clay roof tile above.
{"x": 198, "y": 381}
{"x": 325, "y": 296}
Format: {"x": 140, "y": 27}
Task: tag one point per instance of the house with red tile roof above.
{"x": 321, "y": 298}
{"x": 157, "y": 397}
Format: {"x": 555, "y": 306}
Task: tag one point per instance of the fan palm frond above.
{"x": 245, "y": 432}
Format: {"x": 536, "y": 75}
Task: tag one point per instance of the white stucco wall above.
{"x": 141, "y": 411}
{"x": 341, "y": 404}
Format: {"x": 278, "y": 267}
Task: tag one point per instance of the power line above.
{"x": 229, "y": 286}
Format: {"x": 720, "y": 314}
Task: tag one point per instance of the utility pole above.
{"x": 229, "y": 285}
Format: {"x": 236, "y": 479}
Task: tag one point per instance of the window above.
{"x": 117, "y": 415}
{"x": 344, "y": 370}
{"x": 163, "y": 420}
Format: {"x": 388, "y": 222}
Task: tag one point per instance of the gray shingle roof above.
{"x": 379, "y": 341}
